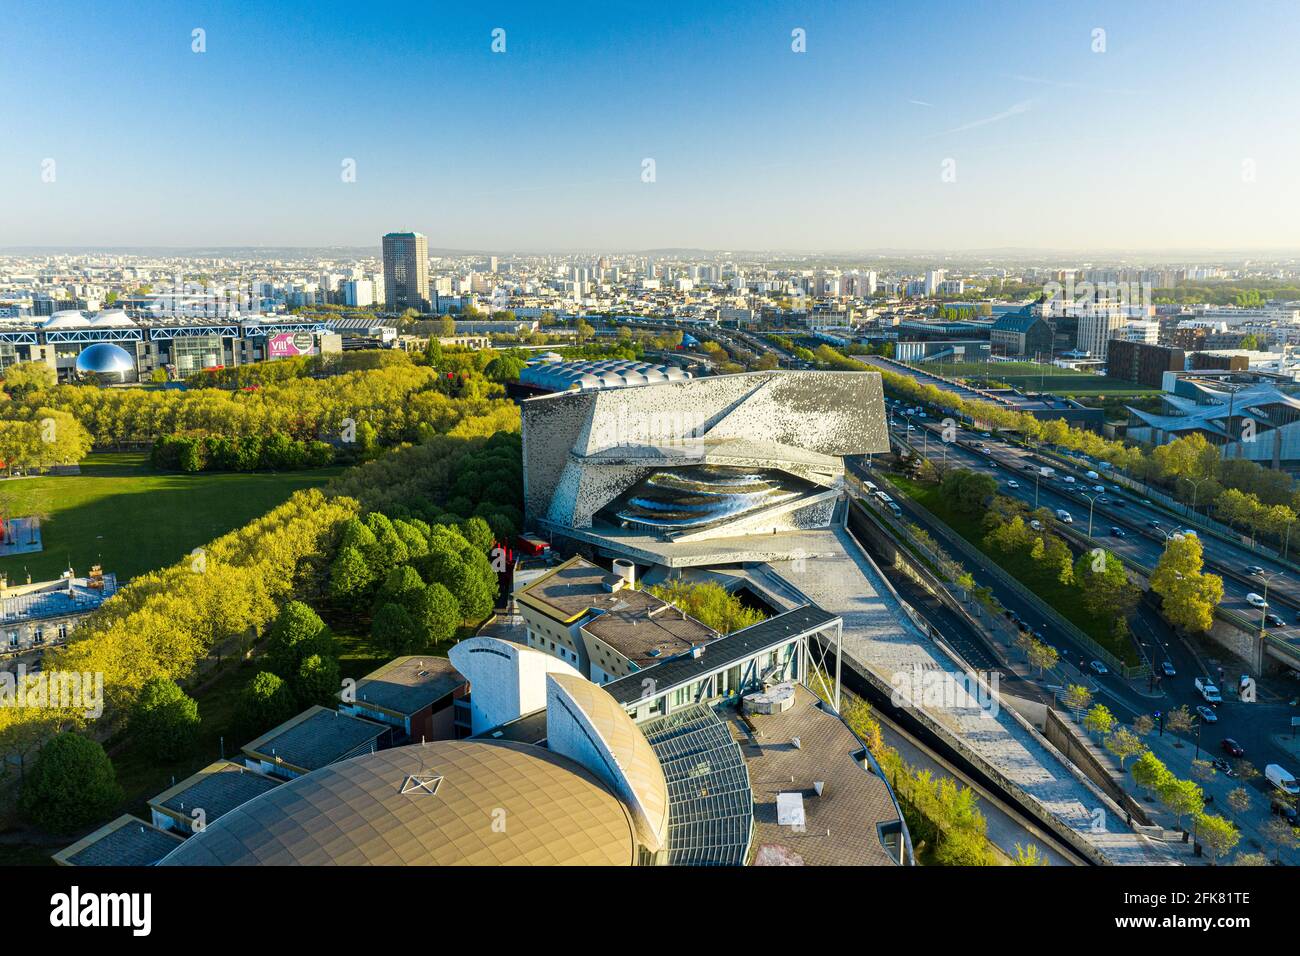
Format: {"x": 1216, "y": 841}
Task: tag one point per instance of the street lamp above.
{"x": 1196, "y": 486}
{"x": 1092, "y": 500}
{"x": 1263, "y": 611}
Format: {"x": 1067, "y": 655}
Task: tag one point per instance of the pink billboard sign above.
{"x": 289, "y": 344}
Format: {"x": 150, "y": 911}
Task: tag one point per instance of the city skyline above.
{"x": 1024, "y": 131}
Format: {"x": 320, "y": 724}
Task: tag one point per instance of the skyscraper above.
{"x": 406, "y": 271}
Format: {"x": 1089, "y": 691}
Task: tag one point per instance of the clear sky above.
{"x": 1182, "y": 134}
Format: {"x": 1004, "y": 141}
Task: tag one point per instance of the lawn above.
{"x": 1020, "y": 566}
{"x": 130, "y": 518}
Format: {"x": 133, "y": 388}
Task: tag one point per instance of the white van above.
{"x": 1281, "y": 778}
{"x": 1256, "y": 600}
{"x": 1064, "y": 516}
{"x": 1093, "y": 476}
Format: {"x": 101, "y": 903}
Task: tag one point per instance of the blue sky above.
{"x": 1150, "y": 144}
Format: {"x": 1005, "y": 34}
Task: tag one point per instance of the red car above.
{"x": 1232, "y": 748}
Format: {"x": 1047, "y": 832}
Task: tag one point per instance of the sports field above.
{"x": 1030, "y": 376}
{"x": 121, "y": 513}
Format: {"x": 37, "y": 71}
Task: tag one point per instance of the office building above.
{"x": 406, "y": 271}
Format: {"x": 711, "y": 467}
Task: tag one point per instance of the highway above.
{"x": 1251, "y": 724}
{"x": 1143, "y": 528}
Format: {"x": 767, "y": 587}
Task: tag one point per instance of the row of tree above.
{"x": 274, "y": 452}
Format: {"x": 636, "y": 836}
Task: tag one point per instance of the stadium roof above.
{"x": 427, "y": 805}
{"x": 582, "y": 376}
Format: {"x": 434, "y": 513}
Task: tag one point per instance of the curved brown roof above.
{"x": 445, "y": 803}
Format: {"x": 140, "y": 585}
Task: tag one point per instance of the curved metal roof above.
{"x": 67, "y": 319}
{"x": 622, "y": 756}
{"x": 105, "y": 358}
{"x": 613, "y": 373}
{"x": 114, "y": 318}
{"x": 445, "y": 803}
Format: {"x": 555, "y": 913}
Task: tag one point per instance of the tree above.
{"x": 350, "y": 575}
{"x": 298, "y": 632}
{"x": 1216, "y": 834}
{"x": 1077, "y": 699}
{"x": 266, "y": 702}
{"x": 1149, "y": 773}
{"x": 1042, "y": 656}
{"x": 394, "y": 630}
{"x": 1180, "y": 797}
{"x": 1099, "y": 720}
{"x": 1105, "y": 585}
{"x": 72, "y": 784}
{"x": 402, "y": 586}
{"x": 165, "y": 720}
{"x": 438, "y": 613}
{"x": 317, "y": 680}
{"x": 1280, "y": 835}
{"x": 1029, "y": 856}
{"x": 1123, "y": 743}
{"x": 1250, "y": 859}
{"x": 1179, "y": 721}
{"x": 1188, "y": 597}
{"x": 1239, "y": 800}
{"x": 1143, "y": 724}
{"x": 22, "y": 378}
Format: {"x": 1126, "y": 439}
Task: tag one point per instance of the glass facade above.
{"x": 194, "y": 353}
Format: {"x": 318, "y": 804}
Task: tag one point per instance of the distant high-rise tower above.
{"x": 406, "y": 271}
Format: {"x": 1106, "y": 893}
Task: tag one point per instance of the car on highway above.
{"x": 1254, "y": 569}
{"x": 1272, "y": 620}
{"x": 1232, "y": 748}
{"x": 1118, "y": 502}
{"x": 1153, "y": 523}
{"x": 1064, "y": 516}
{"x": 1013, "y": 483}
{"x": 1256, "y": 600}
{"x": 1167, "y": 668}
{"x": 1207, "y": 715}
{"x": 1117, "y": 532}
{"x": 1099, "y": 489}
{"x": 1098, "y": 667}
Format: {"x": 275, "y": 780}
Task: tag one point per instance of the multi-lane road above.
{"x": 1122, "y": 521}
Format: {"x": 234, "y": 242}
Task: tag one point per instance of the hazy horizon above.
{"x": 1172, "y": 134}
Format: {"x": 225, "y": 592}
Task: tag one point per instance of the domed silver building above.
{"x": 105, "y": 363}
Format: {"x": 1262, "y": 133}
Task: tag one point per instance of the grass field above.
{"x": 1023, "y": 568}
{"x": 1034, "y": 377}
{"x": 128, "y": 517}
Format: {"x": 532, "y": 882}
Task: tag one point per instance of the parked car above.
{"x": 1232, "y": 748}
{"x": 1167, "y": 668}
{"x": 1098, "y": 667}
{"x": 1207, "y": 714}
{"x": 1283, "y": 809}
{"x": 1281, "y": 778}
